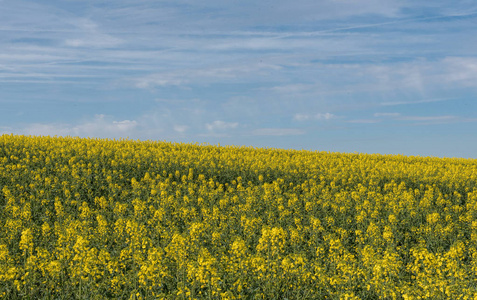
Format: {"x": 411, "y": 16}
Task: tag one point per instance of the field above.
{"x": 123, "y": 219}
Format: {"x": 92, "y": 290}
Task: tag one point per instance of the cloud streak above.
{"x": 424, "y": 120}
{"x": 221, "y": 125}
{"x": 387, "y": 114}
{"x": 100, "y": 126}
{"x": 318, "y": 116}
{"x": 194, "y": 76}
{"x": 416, "y": 101}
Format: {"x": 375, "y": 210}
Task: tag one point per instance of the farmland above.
{"x": 98, "y": 218}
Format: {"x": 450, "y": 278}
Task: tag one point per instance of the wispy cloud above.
{"x": 387, "y": 115}
{"x": 425, "y": 120}
{"x": 292, "y": 88}
{"x": 429, "y": 118}
{"x": 221, "y": 125}
{"x": 461, "y": 70}
{"x": 100, "y": 126}
{"x": 393, "y": 103}
{"x": 318, "y": 116}
{"x": 89, "y": 35}
{"x": 180, "y": 128}
{"x": 399, "y": 82}
{"x": 204, "y": 75}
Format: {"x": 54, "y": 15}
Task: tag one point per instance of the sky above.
{"x": 354, "y": 76}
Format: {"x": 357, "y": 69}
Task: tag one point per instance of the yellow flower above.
{"x": 432, "y": 218}
{"x": 26, "y": 241}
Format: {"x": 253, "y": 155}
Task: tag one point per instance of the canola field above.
{"x": 123, "y": 219}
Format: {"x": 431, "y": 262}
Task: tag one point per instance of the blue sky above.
{"x": 371, "y": 76}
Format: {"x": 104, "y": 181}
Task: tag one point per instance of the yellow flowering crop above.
{"x": 122, "y": 219}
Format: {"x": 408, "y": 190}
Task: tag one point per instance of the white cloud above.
{"x": 425, "y": 76}
{"x": 422, "y": 119}
{"x": 97, "y": 41}
{"x": 419, "y": 78}
{"x": 46, "y": 129}
{"x": 319, "y": 116}
{"x": 159, "y": 80}
{"x": 277, "y": 131}
{"x": 301, "y": 117}
{"x": 429, "y": 118}
{"x": 462, "y": 70}
{"x": 100, "y": 126}
{"x": 325, "y": 116}
{"x": 89, "y": 35}
{"x": 204, "y": 75}
{"x": 221, "y": 125}
{"x": 180, "y": 128}
{"x": 124, "y": 125}
{"x": 378, "y": 79}
{"x": 393, "y": 103}
{"x": 292, "y": 88}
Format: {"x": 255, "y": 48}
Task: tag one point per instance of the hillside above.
{"x": 91, "y": 218}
